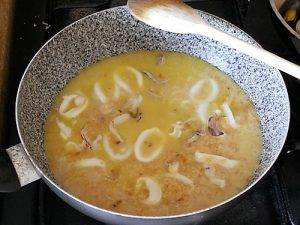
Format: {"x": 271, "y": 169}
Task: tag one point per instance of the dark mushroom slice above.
{"x": 137, "y": 115}
{"x": 154, "y": 78}
{"x": 195, "y": 136}
{"x": 213, "y": 127}
{"x": 160, "y": 59}
{"x": 85, "y": 138}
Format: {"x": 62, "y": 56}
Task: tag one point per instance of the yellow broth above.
{"x": 163, "y": 133}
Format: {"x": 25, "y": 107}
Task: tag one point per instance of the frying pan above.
{"x": 114, "y": 31}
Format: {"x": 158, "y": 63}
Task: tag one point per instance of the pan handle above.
{"x": 23, "y": 168}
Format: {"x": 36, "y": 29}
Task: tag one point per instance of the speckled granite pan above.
{"x": 114, "y": 31}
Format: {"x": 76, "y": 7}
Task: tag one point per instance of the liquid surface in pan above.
{"x": 152, "y": 133}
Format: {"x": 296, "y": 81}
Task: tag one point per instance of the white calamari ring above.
{"x": 229, "y": 115}
{"x": 140, "y": 140}
{"x": 138, "y": 75}
{"x": 210, "y": 174}
{"x": 202, "y": 111}
{"x": 177, "y": 129}
{"x": 91, "y": 162}
{"x": 80, "y": 102}
{"x": 116, "y": 121}
{"x": 181, "y": 178}
{"x": 154, "y": 189}
{"x": 99, "y": 93}
{"x": 196, "y": 88}
{"x": 65, "y": 131}
{"x": 122, "y": 155}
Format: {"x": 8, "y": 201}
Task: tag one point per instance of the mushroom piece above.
{"x": 137, "y": 115}
{"x": 213, "y": 127}
{"x": 86, "y": 140}
{"x": 154, "y": 189}
{"x": 152, "y": 93}
{"x": 160, "y": 59}
{"x": 154, "y": 78}
{"x": 195, "y": 136}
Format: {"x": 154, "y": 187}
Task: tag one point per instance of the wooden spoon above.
{"x": 177, "y": 17}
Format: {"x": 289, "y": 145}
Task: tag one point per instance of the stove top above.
{"x": 274, "y": 200}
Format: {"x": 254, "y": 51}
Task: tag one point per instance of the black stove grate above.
{"x": 274, "y": 200}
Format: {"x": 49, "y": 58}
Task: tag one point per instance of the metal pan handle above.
{"x": 23, "y": 169}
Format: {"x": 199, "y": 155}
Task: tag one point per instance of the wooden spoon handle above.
{"x": 251, "y": 50}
